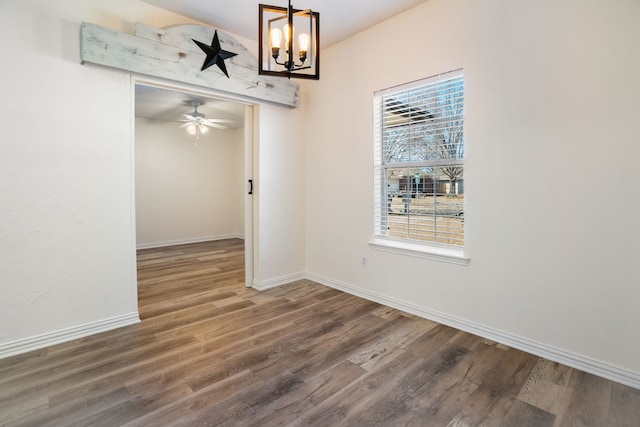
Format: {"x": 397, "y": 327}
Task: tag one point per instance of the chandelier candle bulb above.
{"x": 276, "y": 40}
{"x": 304, "y": 40}
{"x": 287, "y": 33}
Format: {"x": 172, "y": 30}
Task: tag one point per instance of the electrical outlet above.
{"x": 364, "y": 261}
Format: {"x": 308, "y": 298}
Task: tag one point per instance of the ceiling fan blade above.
{"x": 184, "y": 125}
{"x": 220, "y": 120}
{"x": 217, "y": 122}
{"x": 189, "y": 116}
{"x": 213, "y": 125}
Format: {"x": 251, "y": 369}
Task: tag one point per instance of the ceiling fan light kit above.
{"x": 197, "y": 124}
{"x": 194, "y": 129}
{"x": 289, "y": 42}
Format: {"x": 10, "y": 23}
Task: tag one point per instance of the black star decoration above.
{"x": 215, "y": 54}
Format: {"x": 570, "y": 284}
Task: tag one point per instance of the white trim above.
{"x": 453, "y": 74}
{"x": 248, "y": 155}
{"x": 278, "y": 281}
{"x": 190, "y": 89}
{"x": 188, "y": 240}
{"x": 69, "y": 334}
{"x": 577, "y": 361}
{"x": 450, "y": 255}
{"x": 132, "y": 189}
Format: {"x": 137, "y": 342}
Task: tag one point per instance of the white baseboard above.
{"x": 573, "y": 360}
{"x": 64, "y": 335}
{"x": 577, "y": 361}
{"x": 186, "y": 241}
{"x": 279, "y": 281}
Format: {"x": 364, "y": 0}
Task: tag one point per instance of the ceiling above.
{"x": 339, "y": 19}
{"x": 167, "y": 105}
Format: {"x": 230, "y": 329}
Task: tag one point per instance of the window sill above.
{"x": 450, "y": 255}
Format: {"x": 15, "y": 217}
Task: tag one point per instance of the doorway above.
{"x": 193, "y": 167}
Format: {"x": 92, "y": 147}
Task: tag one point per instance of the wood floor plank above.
{"x": 184, "y": 410}
{"x": 339, "y": 408}
{"x": 210, "y": 351}
{"x": 589, "y": 401}
{"x": 624, "y": 407}
{"x": 251, "y": 402}
{"x": 314, "y": 391}
{"x": 447, "y": 400}
{"x": 497, "y": 389}
{"x": 524, "y": 415}
{"x": 257, "y": 356}
{"x": 74, "y": 411}
{"x": 401, "y": 332}
{"x": 409, "y": 390}
{"x": 545, "y": 386}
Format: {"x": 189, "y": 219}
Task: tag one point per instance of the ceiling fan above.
{"x": 197, "y": 124}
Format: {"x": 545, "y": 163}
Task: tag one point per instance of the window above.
{"x": 419, "y": 162}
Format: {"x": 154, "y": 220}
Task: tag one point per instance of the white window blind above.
{"x": 419, "y": 161}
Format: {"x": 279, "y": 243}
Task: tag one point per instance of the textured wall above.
{"x": 67, "y": 243}
{"x": 187, "y": 190}
{"x": 551, "y": 182}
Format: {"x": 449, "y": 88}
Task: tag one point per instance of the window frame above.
{"x": 429, "y": 249}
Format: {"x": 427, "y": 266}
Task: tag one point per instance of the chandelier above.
{"x": 289, "y": 42}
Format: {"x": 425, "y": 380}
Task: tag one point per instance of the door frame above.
{"x": 251, "y": 121}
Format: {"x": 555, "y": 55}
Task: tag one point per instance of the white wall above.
{"x": 280, "y": 195}
{"x": 551, "y": 180}
{"x": 67, "y": 260}
{"x": 187, "y": 189}
{"x": 552, "y": 92}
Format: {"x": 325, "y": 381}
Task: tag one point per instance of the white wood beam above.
{"x": 172, "y": 54}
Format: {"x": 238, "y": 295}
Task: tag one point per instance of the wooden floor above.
{"x": 211, "y": 352}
